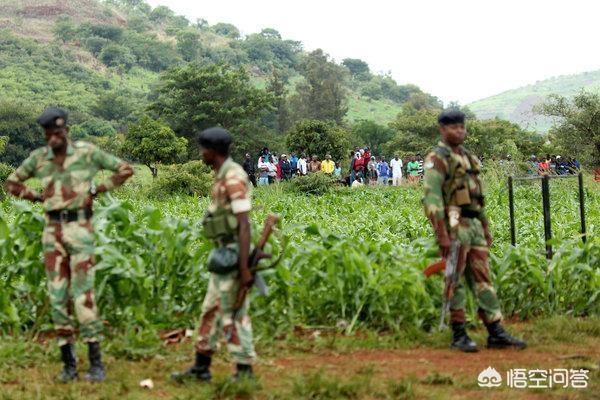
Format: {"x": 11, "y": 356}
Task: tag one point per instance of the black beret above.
{"x": 53, "y": 118}
{"x": 451, "y": 117}
{"x": 215, "y": 138}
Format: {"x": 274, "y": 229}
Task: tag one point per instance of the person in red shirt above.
{"x": 278, "y": 171}
{"x": 359, "y": 165}
{"x": 367, "y": 156}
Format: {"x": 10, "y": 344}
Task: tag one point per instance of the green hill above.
{"x": 516, "y": 105}
{"x": 79, "y": 53}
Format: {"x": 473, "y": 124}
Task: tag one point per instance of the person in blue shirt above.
{"x": 294, "y": 163}
{"x": 383, "y": 171}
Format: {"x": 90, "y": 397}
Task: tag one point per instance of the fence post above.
{"x": 547, "y": 221}
{"x": 582, "y": 207}
{"x": 511, "y": 211}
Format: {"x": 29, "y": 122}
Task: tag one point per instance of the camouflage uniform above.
{"x": 230, "y": 196}
{"x": 69, "y": 246}
{"x": 452, "y": 181}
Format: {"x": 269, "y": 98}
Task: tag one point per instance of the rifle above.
{"x": 254, "y": 259}
{"x": 450, "y": 265}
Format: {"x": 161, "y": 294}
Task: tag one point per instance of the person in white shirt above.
{"x": 263, "y": 170}
{"x": 302, "y": 165}
{"x": 396, "y": 167}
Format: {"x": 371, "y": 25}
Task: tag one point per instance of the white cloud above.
{"x": 457, "y": 50}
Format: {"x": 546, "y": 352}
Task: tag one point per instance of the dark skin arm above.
{"x": 19, "y": 189}
{"x": 244, "y": 242}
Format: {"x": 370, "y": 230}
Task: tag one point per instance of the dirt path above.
{"x": 308, "y": 371}
{"x": 423, "y": 365}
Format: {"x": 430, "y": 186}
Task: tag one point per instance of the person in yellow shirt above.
{"x": 328, "y": 165}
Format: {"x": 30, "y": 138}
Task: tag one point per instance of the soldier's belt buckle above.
{"x": 63, "y": 216}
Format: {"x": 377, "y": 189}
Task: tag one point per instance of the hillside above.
{"x": 72, "y": 53}
{"x": 516, "y": 105}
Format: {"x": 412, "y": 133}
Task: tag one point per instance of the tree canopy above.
{"x": 319, "y": 138}
{"x": 322, "y": 93}
{"x": 153, "y": 143}
{"x": 194, "y": 97}
{"x": 17, "y": 124}
{"x": 577, "y": 124}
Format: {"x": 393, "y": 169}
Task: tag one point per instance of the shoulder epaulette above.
{"x": 442, "y": 151}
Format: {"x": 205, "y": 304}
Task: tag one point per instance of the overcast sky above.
{"x": 457, "y": 50}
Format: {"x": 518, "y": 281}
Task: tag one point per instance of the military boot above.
{"x": 460, "y": 339}
{"x": 200, "y": 370}
{"x": 96, "y": 372}
{"x": 69, "y": 372}
{"x": 243, "y": 371}
{"x": 500, "y": 339}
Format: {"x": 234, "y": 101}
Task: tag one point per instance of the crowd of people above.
{"x": 272, "y": 168}
{"x": 364, "y": 168}
{"x": 553, "y": 165}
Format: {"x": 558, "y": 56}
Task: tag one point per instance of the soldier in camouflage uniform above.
{"x": 66, "y": 171}
{"x": 226, "y": 223}
{"x": 454, "y": 203}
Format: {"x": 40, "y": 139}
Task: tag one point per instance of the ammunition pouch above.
{"x": 220, "y": 224}
{"x": 224, "y": 259}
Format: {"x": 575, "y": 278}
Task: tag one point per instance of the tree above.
{"x": 113, "y": 106}
{"x": 322, "y": 95}
{"x": 226, "y": 29}
{"x": 270, "y": 33}
{"x": 95, "y": 44}
{"x": 194, "y": 97}
{"x": 415, "y": 132}
{"x": 418, "y": 132}
{"x": 313, "y": 137}
{"x": 188, "y": 44}
{"x": 92, "y": 127}
{"x": 577, "y": 124}
{"x": 267, "y": 50}
{"x": 455, "y": 105}
{"x": 152, "y": 143}
{"x": 358, "y": 68}
{"x": 161, "y": 14}
{"x": 64, "y": 29}
{"x": 116, "y": 55}
{"x": 419, "y": 101}
{"x": 107, "y": 31}
{"x": 276, "y": 86}
{"x": 17, "y": 123}
{"x": 498, "y": 137}
{"x": 374, "y": 135}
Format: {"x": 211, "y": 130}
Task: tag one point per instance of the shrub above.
{"x": 317, "y": 183}
{"x": 193, "y": 178}
{"x": 92, "y": 127}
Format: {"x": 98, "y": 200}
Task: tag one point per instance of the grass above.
{"x": 381, "y": 111}
{"x": 286, "y": 368}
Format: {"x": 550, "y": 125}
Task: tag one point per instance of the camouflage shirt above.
{"x": 67, "y": 186}
{"x": 444, "y": 175}
{"x": 230, "y": 195}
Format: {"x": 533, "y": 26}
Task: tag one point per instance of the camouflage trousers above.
{"x": 69, "y": 260}
{"x": 474, "y": 270}
{"x": 217, "y": 317}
